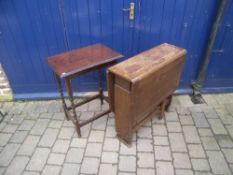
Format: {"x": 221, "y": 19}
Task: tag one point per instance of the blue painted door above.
{"x": 97, "y": 21}
{"x": 33, "y": 30}
{"x": 30, "y": 32}
{"x": 220, "y": 70}
{"x": 179, "y": 22}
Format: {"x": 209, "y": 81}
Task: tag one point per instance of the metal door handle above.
{"x": 131, "y": 10}
{"x": 126, "y": 10}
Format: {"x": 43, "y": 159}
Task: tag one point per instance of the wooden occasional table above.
{"x": 71, "y": 64}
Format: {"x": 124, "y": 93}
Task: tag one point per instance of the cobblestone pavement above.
{"x": 193, "y": 139}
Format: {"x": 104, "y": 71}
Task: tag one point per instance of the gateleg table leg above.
{"x": 62, "y": 95}
{"x": 100, "y": 86}
{"x": 162, "y": 109}
{"x": 71, "y": 98}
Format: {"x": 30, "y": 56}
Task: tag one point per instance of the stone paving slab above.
{"x": 193, "y": 139}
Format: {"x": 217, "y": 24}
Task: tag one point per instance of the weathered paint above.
{"x": 33, "y": 30}
{"x": 220, "y": 71}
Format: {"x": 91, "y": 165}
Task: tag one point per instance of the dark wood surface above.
{"x": 142, "y": 84}
{"x": 82, "y": 59}
{"x": 149, "y": 61}
{"x": 71, "y": 64}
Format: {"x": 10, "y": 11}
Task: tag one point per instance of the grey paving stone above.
{"x": 32, "y": 116}
{"x": 164, "y": 168}
{"x": 230, "y": 130}
{"x": 18, "y": 137}
{"x": 59, "y": 116}
{"x": 56, "y": 159}
{"x": 184, "y": 172}
{"x": 231, "y": 167}
{"x": 29, "y": 145}
{"x": 70, "y": 169}
{"x": 127, "y": 163}
{"x": 17, "y": 165}
{"x": 144, "y": 145}
{"x": 182, "y": 110}
{"x": 109, "y": 157}
{"x": 10, "y": 128}
{"x": 203, "y": 173}
{"x": 100, "y": 124}
{"x": 26, "y": 125}
{"x": 200, "y": 165}
{"x": 162, "y": 153}
{"x": 228, "y": 154}
{"x": 86, "y": 129}
{"x": 4, "y": 138}
{"x": 46, "y": 115}
{"x": 186, "y": 120}
{"x": 173, "y": 127}
{"x": 83, "y": 107}
{"x": 111, "y": 144}
{"x": 159, "y": 130}
{"x": 38, "y": 159}
{"x": 156, "y": 120}
{"x": 145, "y": 160}
{"x": 30, "y": 173}
{"x": 145, "y": 132}
{"x": 111, "y": 131}
{"x": 200, "y": 120}
{"x": 217, "y": 126}
{"x": 177, "y": 142}
{"x": 2, "y": 125}
{"x": 93, "y": 149}
{"x": 79, "y": 142}
{"x": 2, "y": 170}
{"x": 108, "y": 169}
{"x": 128, "y": 150}
{"x": 96, "y": 136}
{"x": 55, "y": 124}
{"x": 184, "y": 100}
{"x": 224, "y": 141}
{"x": 7, "y": 118}
{"x": 61, "y": 146}
{"x": 66, "y": 133}
{"x": 213, "y": 115}
{"x": 39, "y": 127}
{"x": 142, "y": 171}
{"x": 111, "y": 121}
{"x": 48, "y": 137}
{"x": 18, "y": 108}
{"x": 54, "y": 170}
{"x": 171, "y": 116}
{"x": 17, "y": 119}
{"x": 208, "y": 110}
{"x": 90, "y": 162}
{"x": 40, "y": 107}
{"x": 196, "y": 151}
{"x": 196, "y": 108}
{"x": 161, "y": 140}
{"x": 226, "y": 119}
{"x": 205, "y": 132}
{"x": 8, "y": 153}
{"x": 218, "y": 163}
{"x": 94, "y": 105}
{"x": 181, "y": 160}
{"x": 75, "y": 155}
{"x": 209, "y": 143}
{"x": 147, "y": 124}
{"x": 191, "y": 135}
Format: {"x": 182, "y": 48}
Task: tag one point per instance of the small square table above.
{"x": 73, "y": 63}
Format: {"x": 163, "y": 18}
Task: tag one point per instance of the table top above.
{"x": 146, "y": 62}
{"x": 82, "y": 59}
